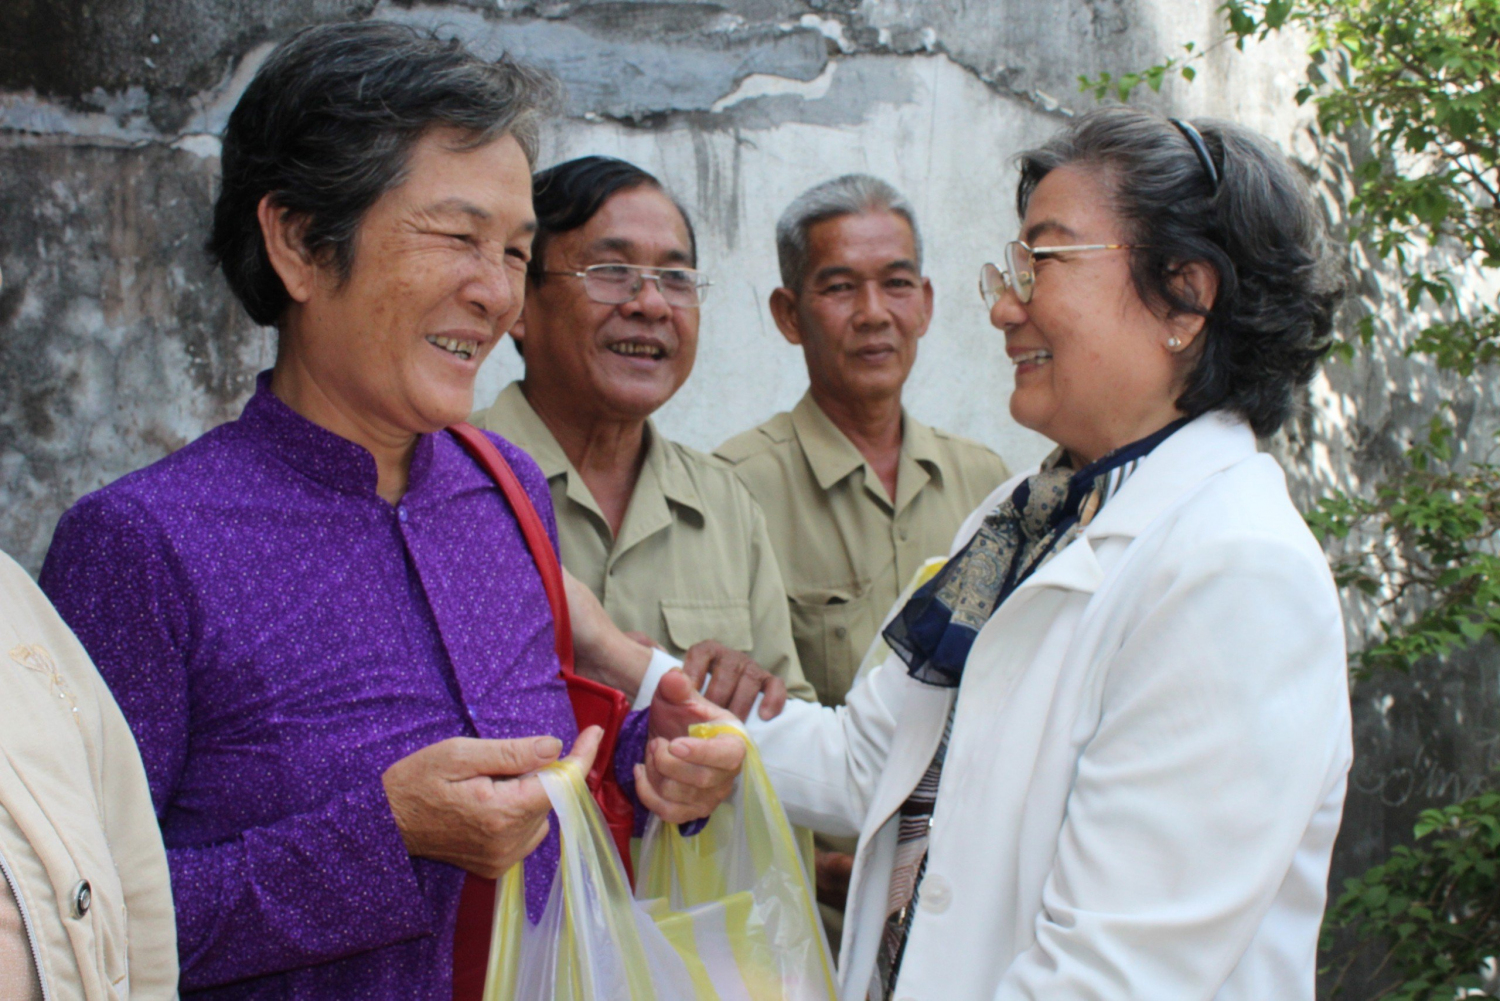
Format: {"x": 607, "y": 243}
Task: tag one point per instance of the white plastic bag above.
{"x": 727, "y": 915}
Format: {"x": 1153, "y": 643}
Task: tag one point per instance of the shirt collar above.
{"x": 1172, "y": 470}
{"x": 829, "y": 452}
{"x": 527, "y": 430}
{"x": 921, "y": 443}
{"x": 833, "y": 456}
{"x": 316, "y": 452}
{"x": 1104, "y": 477}
{"x": 671, "y": 472}
{"x": 1201, "y": 448}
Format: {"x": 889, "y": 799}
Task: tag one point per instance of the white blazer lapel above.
{"x": 923, "y": 716}
{"x": 1074, "y": 569}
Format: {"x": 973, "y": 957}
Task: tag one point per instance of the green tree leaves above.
{"x": 1435, "y": 907}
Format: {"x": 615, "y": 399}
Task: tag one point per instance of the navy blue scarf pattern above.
{"x": 935, "y": 630}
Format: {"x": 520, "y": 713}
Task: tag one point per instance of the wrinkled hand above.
{"x": 736, "y": 679}
{"x": 601, "y": 651}
{"x": 454, "y": 801}
{"x": 684, "y": 778}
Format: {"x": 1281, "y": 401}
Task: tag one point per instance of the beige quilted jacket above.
{"x": 79, "y": 844}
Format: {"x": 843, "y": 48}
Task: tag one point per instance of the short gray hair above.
{"x": 852, "y": 194}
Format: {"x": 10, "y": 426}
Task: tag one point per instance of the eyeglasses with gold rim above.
{"x": 1019, "y": 275}
{"x": 613, "y": 284}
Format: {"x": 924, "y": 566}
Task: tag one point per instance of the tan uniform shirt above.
{"x": 692, "y": 562}
{"x": 845, "y": 549}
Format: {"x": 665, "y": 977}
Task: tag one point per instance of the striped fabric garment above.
{"x": 911, "y": 861}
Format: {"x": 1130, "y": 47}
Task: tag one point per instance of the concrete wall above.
{"x": 118, "y": 344}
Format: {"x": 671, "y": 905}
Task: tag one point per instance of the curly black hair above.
{"x": 1256, "y": 225}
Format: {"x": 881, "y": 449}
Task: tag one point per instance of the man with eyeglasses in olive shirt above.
{"x": 668, "y": 539}
{"x": 857, "y": 494}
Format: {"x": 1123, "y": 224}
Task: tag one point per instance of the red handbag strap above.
{"x": 593, "y": 702}
{"x": 488, "y": 456}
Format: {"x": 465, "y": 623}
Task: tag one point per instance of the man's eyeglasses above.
{"x": 1019, "y": 275}
{"x": 613, "y": 284}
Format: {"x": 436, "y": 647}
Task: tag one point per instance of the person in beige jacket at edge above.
{"x": 85, "y": 902}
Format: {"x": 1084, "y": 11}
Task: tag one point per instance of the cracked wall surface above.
{"x": 109, "y": 123}
{"x": 118, "y": 343}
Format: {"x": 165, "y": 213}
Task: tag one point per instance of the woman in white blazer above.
{"x": 1107, "y": 759}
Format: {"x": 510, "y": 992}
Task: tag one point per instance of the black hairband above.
{"x": 1195, "y": 140}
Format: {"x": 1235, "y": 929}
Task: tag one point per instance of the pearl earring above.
{"x": 1173, "y": 344}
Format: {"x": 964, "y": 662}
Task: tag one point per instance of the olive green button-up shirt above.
{"x": 693, "y": 560}
{"x": 846, "y": 549}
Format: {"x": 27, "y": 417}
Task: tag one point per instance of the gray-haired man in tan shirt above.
{"x": 856, "y": 493}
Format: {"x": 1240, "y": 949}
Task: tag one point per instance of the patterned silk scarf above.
{"x": 936, "y": 628}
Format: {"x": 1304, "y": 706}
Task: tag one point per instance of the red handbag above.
{"x": 594, "y": 704}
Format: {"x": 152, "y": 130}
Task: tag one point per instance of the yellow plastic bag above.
{"x": 735, "y": 900}
{"x": 593, "y": 941}
{"x": 730, "y": 919}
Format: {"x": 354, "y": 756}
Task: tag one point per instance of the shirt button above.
{"x": 902, "y": 533}
{"x": 401, "y": 514}
{"x": 840, "y": 632}
{"x": 935, "y": 895}
{"x": 83, "y": 896}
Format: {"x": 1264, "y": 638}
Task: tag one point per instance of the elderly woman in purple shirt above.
{"x": 321, "y": 619}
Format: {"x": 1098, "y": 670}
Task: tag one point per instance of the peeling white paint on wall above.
{"x": 770, "y": 85}
{"x": 745, "y": 116}
{"x": 123, "y": 122}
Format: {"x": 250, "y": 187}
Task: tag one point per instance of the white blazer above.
{"x": 1147, "y": 765}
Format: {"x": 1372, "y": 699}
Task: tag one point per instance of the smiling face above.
{"x": 862, "y": 308}
{"x": 1092, "y": 364}
{"x": 593, "y": 361}
{"x": 437, "y": 277}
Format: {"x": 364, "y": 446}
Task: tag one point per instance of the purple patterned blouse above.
{"x": 278, "y": 635}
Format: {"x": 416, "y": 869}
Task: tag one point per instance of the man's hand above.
{"x": 833, "y": 878}
{"x": 602, "y": 652}
{"x": 737, "y": 679}
{"x": 455, "y": 802}
{"x": 684, "y": 777}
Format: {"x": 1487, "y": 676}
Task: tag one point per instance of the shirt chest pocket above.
{"x": 692, "y": 620}
{"x": 831, "y": 632}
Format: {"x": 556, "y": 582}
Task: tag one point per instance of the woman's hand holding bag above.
{"x": 726, "y": 914}
{"x": 685, "y": 775}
